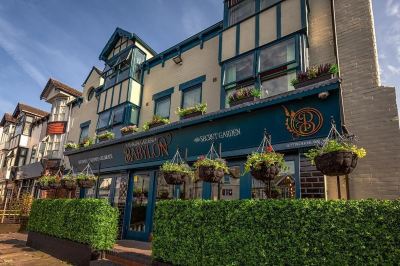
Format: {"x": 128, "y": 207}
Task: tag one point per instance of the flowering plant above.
{"x": 155, "y": 120}
{"x": 129, "y": 129}
{"x": 257, "y": 160}
{"x": 201, "y": 107}
{"x": 83, "y": 176}
{"x": 314, "y": 72}
{"x": 335, "y": 145}
{"x": 244, "y": 93}
{"x": 87, "y": 142}
{"x": 217, "y": 164}
{"x": 47, "y": 180}
{"x": 170, "y": 167}
{"x": 71, "y": 146}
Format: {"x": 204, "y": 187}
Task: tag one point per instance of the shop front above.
{"x": 128, "y": 167}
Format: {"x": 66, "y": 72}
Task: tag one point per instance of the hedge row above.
{"x": 89, "y": 221}
{"x": 277, "y": 232}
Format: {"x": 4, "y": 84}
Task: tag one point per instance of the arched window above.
{"x": 90, "y": 94}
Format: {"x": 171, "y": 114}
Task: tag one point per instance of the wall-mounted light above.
{"x": 178, "y": 60}
{"x": 323, "y": 95}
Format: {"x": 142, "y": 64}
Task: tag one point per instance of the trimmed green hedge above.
{"x": 277, "y": 232}
{"x": 89, "y": 221}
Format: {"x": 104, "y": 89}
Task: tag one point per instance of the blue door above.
{"x": 139, "y": 205}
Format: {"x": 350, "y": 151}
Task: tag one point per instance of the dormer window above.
{"x": 240, "y": 10}
{"x": 59, "y": 110}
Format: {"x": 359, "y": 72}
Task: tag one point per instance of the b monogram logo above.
{"x": 305, "y": 122}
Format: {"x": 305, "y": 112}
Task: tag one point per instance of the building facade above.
{"x": 260, "y": 44}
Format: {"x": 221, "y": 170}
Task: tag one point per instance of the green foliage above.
{"x": 156, "y": 119}
{"x": 201, "y": 107}
{"x": 69, "y": 177}
{"x": 315, "y": 71}
{"x": 334, "y": 69}
{"x": 83, "y": 176}
{"x": 89, "y": 221}
{"x": 257, "y": 160}
{"x": 71, "y": 145}
{"x": 218, "y": 164}
{"x": 334, "y": 145}
{"x": 106, "y": 135}
{"x": 177, "y": 167}
{"x": 47, "y": 180}
{"x": 87, "y": 142}
{"x": 277, "y": 232}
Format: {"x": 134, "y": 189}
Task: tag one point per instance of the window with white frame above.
{"x": 53, "y": 146}
{"x": 27, "y": 126}
{"x": 59, "y": 110}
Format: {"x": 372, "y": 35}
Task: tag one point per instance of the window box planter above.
{"x": 158, "y": 124}
{"x": 128, "y": 130}
{"x": 242, "y": 101}
{"x": 68, "y": 184}
{"x": 209, "y": 174}
{"x": 336, "y": 163}
{"x": 66, "y": 250}
{"x": 318, "y": 79}
{"x": 126, "y": 133}
{"x": 198, "y": 113}
{"x": 102, "y": 139}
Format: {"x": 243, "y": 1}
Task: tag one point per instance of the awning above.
{"x": 33, "y": 170}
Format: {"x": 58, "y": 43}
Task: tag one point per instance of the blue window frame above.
{"x": 117, "y": 115}
{"x": 104, "y": 119}
{"x": 162, "y": 106}
{"x": 239, "y": 69}
{"x": 84, "y": 131}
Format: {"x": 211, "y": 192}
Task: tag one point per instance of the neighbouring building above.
{"x": 20, "y": 133}
{"x": 260, "y": 44}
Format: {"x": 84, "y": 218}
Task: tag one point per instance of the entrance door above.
{"x": 139, "y": 206}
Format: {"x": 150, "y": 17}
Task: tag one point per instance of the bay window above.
{"x": 104, "y": 119}
{"x": 277, "y": 85}
{"x": 277, "y": 55}
{"x": 239, "y": 10}
{"x": 28, "y": 126}
{"x": 117, "y": 115}
{"x": 239, "y": 69}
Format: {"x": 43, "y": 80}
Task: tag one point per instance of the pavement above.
{"x": 13, "y": 251}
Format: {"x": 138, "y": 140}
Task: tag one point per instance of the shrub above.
{"x": 88, "y": 221}
{"x": 277, "y": 232}
{"x": 47, "y": 180}
{"x": 201, "y": 107}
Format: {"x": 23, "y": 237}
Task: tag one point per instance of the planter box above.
{"x": 66, "y": 250}
{"x": 127, "y": 133}
{"x": 103, "y": 139}
{"x": 313, "y": 81}
{"x": 242, "y": 101}
{"x": 156, "y": 125}
{"x": 192, "y": 115}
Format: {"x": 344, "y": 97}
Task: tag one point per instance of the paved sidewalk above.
{"x": 14, "y": 252}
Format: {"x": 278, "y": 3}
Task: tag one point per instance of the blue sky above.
{"x": 63, "y": 39}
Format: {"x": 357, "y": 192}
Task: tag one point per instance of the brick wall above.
{"x": 369, "y": 110}
{"x": 312, "y": 180}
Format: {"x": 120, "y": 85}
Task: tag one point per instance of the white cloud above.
{"x": 393, "y": 8}
{"x": 393, "y": 70}
{"x": 12, "y": 41}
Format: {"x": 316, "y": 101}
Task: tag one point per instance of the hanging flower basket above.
{"x": 68, "y": 182}
{"x": 211, "y": 170}
{"x": 265, "y": 172}
{"x": 337, "y": 156}
{"x": 336, "y": 163}
{"x": 176, "y": 170}
{"x": 86, "y": 179}
{"x": 48, "y": 182}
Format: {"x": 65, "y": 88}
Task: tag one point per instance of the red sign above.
{"x": 56, "y": 128}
